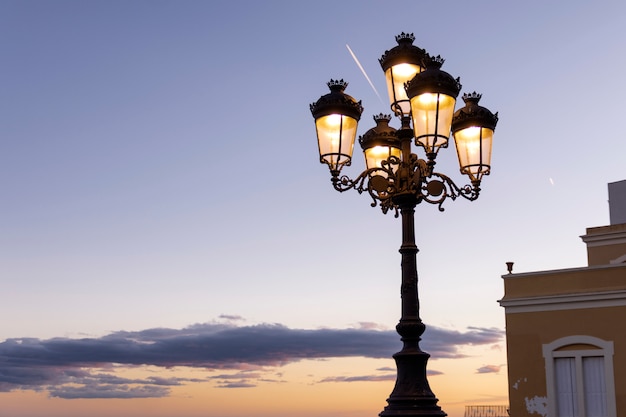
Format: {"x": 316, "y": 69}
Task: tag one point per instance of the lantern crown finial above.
{"x": 473, "y": 97}
{"x": 382, "y": 117}
{"x": 405, "y": 38}
{"x": 337, "y": 102}
{"x": 473, "y": 114}
{"x": 380, "y": 135}
{"x": 404, "y": 52}
{"x": 337, "y": 85}
{"x": 431, "y": 61}
{"x": 382, "y": 128}
{"x": 433, "y": 79}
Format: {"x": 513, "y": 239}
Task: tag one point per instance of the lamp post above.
{"x": 423, "y": 97}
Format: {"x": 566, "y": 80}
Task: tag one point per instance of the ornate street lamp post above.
{"x": 423, "y": 97}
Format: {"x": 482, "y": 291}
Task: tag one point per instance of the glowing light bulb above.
{"x": 428, "y": 99}
{"x": 333, "y": 120}
{"x": 405, "y": 70}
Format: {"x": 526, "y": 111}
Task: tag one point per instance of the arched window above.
{"x": 579, "y": 377}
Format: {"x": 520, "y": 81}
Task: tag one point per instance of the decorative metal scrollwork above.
{"x": 395, "y": 177}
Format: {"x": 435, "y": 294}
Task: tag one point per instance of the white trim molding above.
{"x": 615, "y": 298}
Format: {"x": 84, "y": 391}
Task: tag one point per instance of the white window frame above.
{"x": 603, "y": 349}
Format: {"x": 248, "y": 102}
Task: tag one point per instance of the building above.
{"x": 566, "y": 329}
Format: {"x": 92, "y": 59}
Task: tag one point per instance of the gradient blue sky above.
{"x": 159, "y": 168}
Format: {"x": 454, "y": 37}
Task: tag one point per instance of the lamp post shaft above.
{"x": 408, "y": 250}
{"x": 411, "y": 395}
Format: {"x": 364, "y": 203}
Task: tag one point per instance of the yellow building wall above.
{"x": 528, "y": 332}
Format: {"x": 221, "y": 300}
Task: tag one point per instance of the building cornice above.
{"x": 610, "y": 237}
{"x": 602, "y": 299}
{"x": 561, "y": 271}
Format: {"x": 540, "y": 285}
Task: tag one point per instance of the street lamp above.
{"x": 423, "y": 97}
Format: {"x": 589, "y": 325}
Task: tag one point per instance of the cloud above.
{"x": 239, "y": 375}
{"x": 231, "y": 317}
{"x": 84, "y": 368}
{"x": 489, "y": 369}
{"x": 240, "y": 384}
{"x": 386, "y": 377}
{"x": 109, "y": 391}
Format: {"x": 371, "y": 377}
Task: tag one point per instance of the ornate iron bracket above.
{"x": 395, "y": 177}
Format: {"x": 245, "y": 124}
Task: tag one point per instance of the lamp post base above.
{"x": 412, "y": 395}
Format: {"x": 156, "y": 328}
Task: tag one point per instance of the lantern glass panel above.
{"x": 376, "y": 154}
{"x": 397, "y": 76}
{"x": 473, "y": 146}
{"x": 335, "y": 135}
{"x": 432, "y": 118}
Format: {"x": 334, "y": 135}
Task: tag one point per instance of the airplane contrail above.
{"x": 364, "y": 73}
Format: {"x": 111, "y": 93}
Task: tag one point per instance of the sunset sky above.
{"x": 171, "y": 246}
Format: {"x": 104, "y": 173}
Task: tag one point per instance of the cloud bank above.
{"x": 83, "y": 368}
